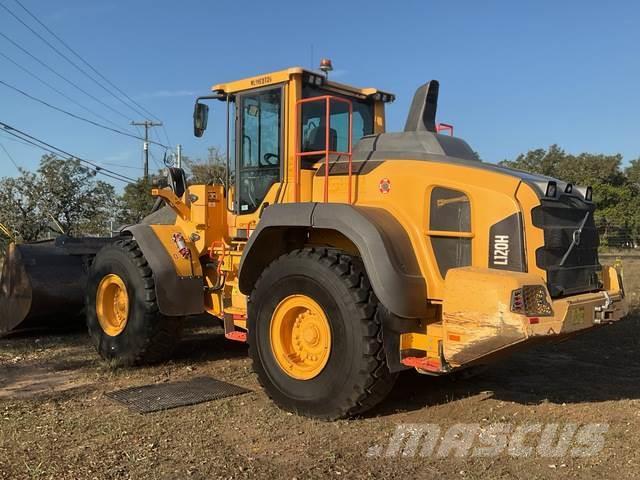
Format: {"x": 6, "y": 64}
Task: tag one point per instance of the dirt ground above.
{"x": 56, "y": 423}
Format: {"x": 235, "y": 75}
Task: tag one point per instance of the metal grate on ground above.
{"x": 164, "y": 396}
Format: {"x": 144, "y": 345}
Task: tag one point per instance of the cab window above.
{"x": 260, "y": 147}
{"x": 314, "y": 122}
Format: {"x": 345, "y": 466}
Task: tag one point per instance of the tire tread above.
{"x": 373, "y": 381}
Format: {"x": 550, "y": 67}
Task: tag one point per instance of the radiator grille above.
{"x": 560, "y": 219}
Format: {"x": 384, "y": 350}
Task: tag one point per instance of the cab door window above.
{"x": 260, "y": 147}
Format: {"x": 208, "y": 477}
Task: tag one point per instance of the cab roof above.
{"x": 310, "y": 76}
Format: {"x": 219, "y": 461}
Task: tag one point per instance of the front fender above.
{"x": 179, "y": 289}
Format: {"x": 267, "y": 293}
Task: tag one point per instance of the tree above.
{"x": 136, "y": 202}
{"x": 19, "y": 210}
{"x": 614, "y": 190}
{"x": 20, "y": 207}
{"x": 633, "y": 171}
{"x": 62, "y": 196}
{"x": 540, "y": 161}
{"x": 209, "y": 172}
{"x": 70, "y": 194}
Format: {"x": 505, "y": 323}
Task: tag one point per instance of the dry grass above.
{"x": 62, "y": 426}
{"x": 56, "y": 423}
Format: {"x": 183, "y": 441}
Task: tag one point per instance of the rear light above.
{"x": 531, "y": 300}
{"x": 312, "y": 79}
{"x": 552, "y": 189}
{"x": 383, "y": 97}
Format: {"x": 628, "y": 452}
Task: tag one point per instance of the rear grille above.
{"x": 560, "y": 219}
{"x": 531, "y": 300}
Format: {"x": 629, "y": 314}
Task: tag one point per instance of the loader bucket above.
{"x": 43, "y": 283}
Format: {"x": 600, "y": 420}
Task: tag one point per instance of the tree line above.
{"x": 616, "y": 188}
{"x": 63, "y": 197}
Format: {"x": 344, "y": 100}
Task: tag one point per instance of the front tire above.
{"x": 123, "y": 318}
{"x": 315, "y": 335}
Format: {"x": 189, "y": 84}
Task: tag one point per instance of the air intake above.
{"x": 422, "y": 114}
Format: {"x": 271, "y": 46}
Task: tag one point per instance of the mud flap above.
{"x": 392, "y": 328}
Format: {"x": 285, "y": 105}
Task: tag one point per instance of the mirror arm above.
{"x": 217, "y": 96}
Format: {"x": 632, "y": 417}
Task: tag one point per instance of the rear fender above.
{"x": 381, "y": 241}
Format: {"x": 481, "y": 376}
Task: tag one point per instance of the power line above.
{"x": 166, "y": 135}
{"x": 130, "y": 167}
{"x": 93, "y": 97}
{"x": 155, "y": 160}
{"x": 13, "y": 139}
{"x": 59, "y": 92}
{"x": 78, "y": 117}
{"x": 58, "y": 151}
{"x": 15, "y": 164}
{"x": 95, "y": 169}
{"x": 81, "y": 70}
{"x": 77, "y": 55}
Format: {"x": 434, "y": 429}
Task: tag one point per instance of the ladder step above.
{"x": 237, "y": 336}
{"x": 423, "y": 363}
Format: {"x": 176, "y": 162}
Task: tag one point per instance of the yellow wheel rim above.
{"x": 300, "y": 337}
{"x": 112, "y": 305}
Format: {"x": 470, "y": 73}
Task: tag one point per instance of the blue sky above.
{"x": 514, "y": 75}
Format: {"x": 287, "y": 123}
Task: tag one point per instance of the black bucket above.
{"x": 44, "y": 283}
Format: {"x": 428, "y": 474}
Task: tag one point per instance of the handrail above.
{"x": 445, "y": 126}
{"x": 327, "y": 150}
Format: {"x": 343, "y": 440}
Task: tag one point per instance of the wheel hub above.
{"x": 112, "y": 305}
{"x": 300, "y": 337}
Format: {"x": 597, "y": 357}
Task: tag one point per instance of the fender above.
{"x": 384, "y": 246}
{"x": 176, "y": 295}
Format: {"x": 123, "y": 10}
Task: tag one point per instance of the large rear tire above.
{"x": 123, "y": 318}
{"x": 315, "y": 335}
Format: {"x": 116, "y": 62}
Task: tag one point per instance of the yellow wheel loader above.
{"x": 344, "y": 254}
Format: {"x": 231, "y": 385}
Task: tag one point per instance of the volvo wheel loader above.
{"x": 344, "y": 254}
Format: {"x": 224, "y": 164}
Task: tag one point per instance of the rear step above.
{"x": 423, "y": 363}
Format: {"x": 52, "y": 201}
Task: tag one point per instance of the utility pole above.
{"x": 179, "y": 160}
{"x": 147, "y": 124}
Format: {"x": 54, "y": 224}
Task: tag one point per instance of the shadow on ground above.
{"x": 600, "y": 365}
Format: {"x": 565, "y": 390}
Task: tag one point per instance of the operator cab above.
{"x": 266, "y": 150}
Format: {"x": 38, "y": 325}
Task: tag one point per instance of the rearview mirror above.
{"x": 200, "y": 118}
